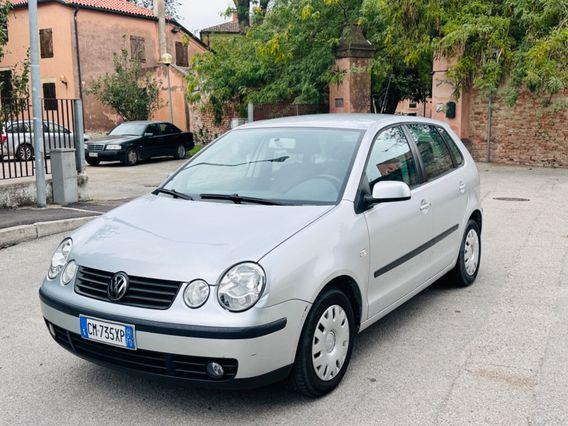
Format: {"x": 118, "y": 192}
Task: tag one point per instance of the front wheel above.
{"x": 325, "y": 345}
{"x": 469, "y": 258}
{"x": 131, "y": 158}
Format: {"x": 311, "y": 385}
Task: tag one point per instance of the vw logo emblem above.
{"x": 117, "y": 286}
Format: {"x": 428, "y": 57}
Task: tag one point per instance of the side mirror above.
{"x": 388, "y": 192}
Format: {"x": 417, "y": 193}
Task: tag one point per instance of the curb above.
{"x": 19, "y": 234}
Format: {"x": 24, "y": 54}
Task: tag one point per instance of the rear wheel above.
{"x": 180, "y": 152}
{"x": 93, "y": 161}
{"x": 24, "y": 152}
{"x": 131, "y": 158}
{"x": 325, "y": 345}
{"x": 469, "y": 258}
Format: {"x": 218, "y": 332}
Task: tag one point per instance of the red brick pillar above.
{"x": 354, "y": 57}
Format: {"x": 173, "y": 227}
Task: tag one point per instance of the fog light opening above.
{"x": 51, "y": 329}
{"x": 215, "y": 370}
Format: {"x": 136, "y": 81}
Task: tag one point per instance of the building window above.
{"x": 46, "y": 43}
{"x": 412, "y": 105}
{"x": 6, "y": 86}
{"x": 182, "y": 58}
{"x": 138, "y": 48}
{"x": 49, "y": 97}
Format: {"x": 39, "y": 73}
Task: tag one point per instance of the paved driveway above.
{"x": 113, "y": 181}
{"x": 496, "y": 352}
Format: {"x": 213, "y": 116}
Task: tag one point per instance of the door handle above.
{"x": 425, "y": 206}
{"x": 461, "y": 187}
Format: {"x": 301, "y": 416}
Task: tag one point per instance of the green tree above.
{"x": 130, "y": 91}
{"x": 506, "y": 45}
{"x": 172, "y": 6}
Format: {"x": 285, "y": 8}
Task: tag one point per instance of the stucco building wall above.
{"x": 100, "y": 34}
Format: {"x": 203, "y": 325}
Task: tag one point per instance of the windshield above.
{"x": 285, "y": 165}
{"x": 124, "y": 129}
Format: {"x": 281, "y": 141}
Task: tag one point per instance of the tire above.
{"x": 93, "y": 161}
{"x": 25, "y": 152}
{"x": 305, "y": 377}
{"x": 131, "y": 158}
{"x": 469, "y": 258}
{"x": 180, "y": 152}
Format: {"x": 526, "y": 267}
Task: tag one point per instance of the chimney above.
{"x": 234, "y": 15}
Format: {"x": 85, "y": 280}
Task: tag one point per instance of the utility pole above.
{"x": 36, "y": 105}
{"x": 166, "y": 58}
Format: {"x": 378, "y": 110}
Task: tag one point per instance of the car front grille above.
{"x": 142, "y": 292}
{"x": 164, "y": 364}
{"x": 95, "y": 147}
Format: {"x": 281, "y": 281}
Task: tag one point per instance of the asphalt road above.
{"x": 496, "y": 352}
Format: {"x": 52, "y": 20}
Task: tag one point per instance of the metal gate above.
{"x": 16, "y": 142}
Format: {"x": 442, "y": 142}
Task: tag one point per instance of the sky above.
{"x": 198, "y": 14}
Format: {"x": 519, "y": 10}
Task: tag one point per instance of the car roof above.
{"x": 343, "y": 121}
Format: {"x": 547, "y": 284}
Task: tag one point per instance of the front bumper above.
{"x": 252, "y": 355}
{"x": 105, "y": 155}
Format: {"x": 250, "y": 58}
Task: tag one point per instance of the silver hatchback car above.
{"x": 264, "y": 255}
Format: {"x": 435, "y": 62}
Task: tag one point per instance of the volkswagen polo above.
{"x": 262, "y": 257}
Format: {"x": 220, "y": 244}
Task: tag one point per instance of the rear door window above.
{"x": 458, "y": 157}
{"x": 433, "y": 150}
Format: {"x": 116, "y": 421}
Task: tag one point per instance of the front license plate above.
{"x": 93, "y": 154}
{"x": 111, "y": 333}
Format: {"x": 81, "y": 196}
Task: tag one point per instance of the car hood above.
{"x": 112, "y": 139}
{"x": 174, "y": 239}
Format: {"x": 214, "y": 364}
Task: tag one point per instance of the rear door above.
{"x": 442, "y": 197}
{"x": 396, "y": 229}
{"x": 172, "y": 138}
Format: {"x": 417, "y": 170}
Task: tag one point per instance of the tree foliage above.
{"x": 172, "y": 6}
{"x": 130, "y": 90}
{"x": 506, "y": 45}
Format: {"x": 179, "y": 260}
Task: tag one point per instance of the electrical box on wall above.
{"x": 451, "y": 110}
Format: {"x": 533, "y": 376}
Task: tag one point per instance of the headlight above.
{"x": 241, "y": 286}
{"x": 59, "y": 258}
{"x": 113, "y": 147}
{"x": 69, "y": 272}
{"x": 196, "y": 293}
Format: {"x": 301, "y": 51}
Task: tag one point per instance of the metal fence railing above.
{"x": 16, "y": 142}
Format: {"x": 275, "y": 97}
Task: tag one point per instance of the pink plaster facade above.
{"x": 100, "y": 34}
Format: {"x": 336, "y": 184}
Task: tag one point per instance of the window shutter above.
{"x": 49, "y": 97}
{"x": 138, "y": 48}
{"x": 46, "y": 43}
{"x": 181, "y": 55}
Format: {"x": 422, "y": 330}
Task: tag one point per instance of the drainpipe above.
{"x": 77, "y": 53}
{"x": 489, "y": 119}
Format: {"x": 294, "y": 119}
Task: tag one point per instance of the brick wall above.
{"x": 268, "y": 111}
{"x": 526, "y": 133}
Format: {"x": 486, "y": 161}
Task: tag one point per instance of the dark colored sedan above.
{"x": 133, "y": 141}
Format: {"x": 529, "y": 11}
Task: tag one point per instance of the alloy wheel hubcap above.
{"x": 471, "y": 252}
{"x": 181, "y": 151}
{"x": 331, "y": 343}
{"x": 132, "y": 157}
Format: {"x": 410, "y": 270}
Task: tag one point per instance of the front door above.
{"x": 396, "y": 229}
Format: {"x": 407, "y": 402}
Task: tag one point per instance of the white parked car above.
{"x": 262, "y": 257}
{"x": 17, "y": 139}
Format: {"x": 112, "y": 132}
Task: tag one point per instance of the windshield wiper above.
{"x": 238, "y": 199}
{"x": 269, "y": 160}
{"x": 173, "y": 193}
